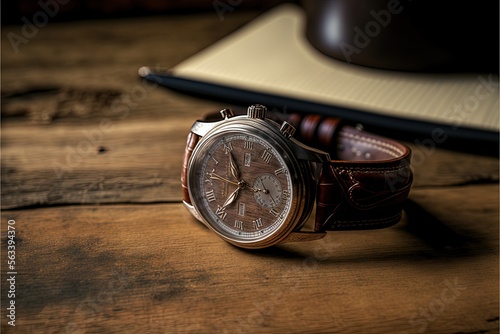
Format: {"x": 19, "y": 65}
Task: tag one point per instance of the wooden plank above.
{"x": 125, "y": 268}
{"x": 108, "y": 160}
{"x": 73, "y": 164}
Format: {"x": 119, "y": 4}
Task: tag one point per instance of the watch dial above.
{"x": 245, "y": 187}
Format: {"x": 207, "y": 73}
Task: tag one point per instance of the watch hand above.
{"x": 265, "y": 191}
{"x": 241, "y": 184}
{"x": 255, "y": 190}
{"x": 231, "y": 198}
{"x": 272, "y": 199}
{"x": 234, "y": 168}
{"x": 217, "y": 177}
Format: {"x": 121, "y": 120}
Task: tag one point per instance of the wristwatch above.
{"x": 255, "y": 184}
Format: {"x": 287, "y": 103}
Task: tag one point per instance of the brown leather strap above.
{"x": 366, "y": 183}
{"x": 363, "y": 187}
{"x": 366, "y": 189}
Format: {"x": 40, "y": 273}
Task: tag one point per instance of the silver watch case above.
{"x": 301, "y": 160}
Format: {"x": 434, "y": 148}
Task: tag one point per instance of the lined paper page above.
{"x": 271, "y": 55}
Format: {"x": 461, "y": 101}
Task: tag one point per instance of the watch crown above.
{"x": 287, "y": 129}
{"x": 226, "y": 113}
{"x": 257, "y": 111}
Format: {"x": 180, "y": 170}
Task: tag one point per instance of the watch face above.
{"x": 242, "y": 186}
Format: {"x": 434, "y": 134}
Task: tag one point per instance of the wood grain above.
{"x": 160, "y": 271}
{"x": 91, "y": 161}
{"x": 110, "y": 160}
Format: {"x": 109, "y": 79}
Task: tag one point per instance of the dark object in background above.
{"x": 421, "y": 35}
{"x": 67, "y": 10}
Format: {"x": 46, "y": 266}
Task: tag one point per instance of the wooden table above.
{"x": 91, "y": 160}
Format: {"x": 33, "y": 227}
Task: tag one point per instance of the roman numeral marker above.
{"x": 221, "y": 213}
{"x": 248, "y": 145}
{"x": 257, "y": 223}
{"x": 274, "y": 212}
{"x": 266, "y": 156}
{"x": 238, "y": 224}
{"x": 210, "y": 195}
{"x": 280, "y": 171}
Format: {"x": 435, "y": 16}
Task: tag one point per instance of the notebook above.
{"x": 270, "y": 61}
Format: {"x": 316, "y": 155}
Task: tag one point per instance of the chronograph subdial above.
{"x": 268, "y": 191}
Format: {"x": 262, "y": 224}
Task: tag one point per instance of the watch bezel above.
{"x": 301, "y": 174}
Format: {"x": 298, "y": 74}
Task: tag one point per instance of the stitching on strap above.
{"x": 377, "y": 144}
